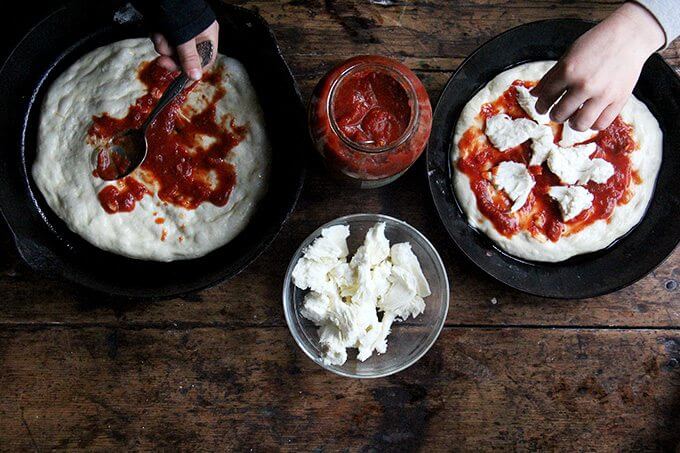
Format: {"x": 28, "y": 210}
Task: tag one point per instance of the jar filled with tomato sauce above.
{"x": 370, "y": 119}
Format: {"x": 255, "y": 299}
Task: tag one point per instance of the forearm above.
{"x": 634, "y": 27}
{"x": 178, "y": 20}
{"x": 667, "y": 15}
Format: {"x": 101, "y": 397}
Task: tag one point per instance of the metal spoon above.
{"x": 131, "y": 146}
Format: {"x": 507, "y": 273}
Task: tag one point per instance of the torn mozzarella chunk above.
{"x": 542, "y": 143}
{"x": 599, "y": 171}
{"x": 332, "y": 345}
{"x": 314, "y": 275}
{"x": 573, "y": 165}
{"x": 315, "y": 307}
{"x": 515, "y": 180}
{"x": 402, "y": 256}
{"x": 380, "y": 275}
{"x": 402, "y": 299}
{"x": 505, "y": 133}
{"x": 350, "y": 320}
{"x": 572, "y": 200}
{"x": 331, "y": 245}
{"x": 343, "y": 277}
{"x": 345, "y": 297}
{"x": 375, "y": 248}
{"x": 320, "y": 258}
{"x": 375, "y": 339}
{"x": 528, "y": 103}
{"x": 571, "y": 137}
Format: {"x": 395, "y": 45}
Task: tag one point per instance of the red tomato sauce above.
{"x": 371, "y": 108}
{"x": 178, "y": 168}
{"x": 540, "y": 215}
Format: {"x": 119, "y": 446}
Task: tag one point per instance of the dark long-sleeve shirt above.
{"x": 178, "y": 20}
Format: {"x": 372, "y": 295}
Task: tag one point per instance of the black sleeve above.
{"x": 178, "y": 20}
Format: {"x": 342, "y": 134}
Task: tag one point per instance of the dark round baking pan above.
{"x": 628, "y": 259}
{"x": 44, "y": 241}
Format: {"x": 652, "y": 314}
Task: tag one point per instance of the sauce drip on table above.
{"x": 180, "y": 167}
{"x": 540, "y": 215}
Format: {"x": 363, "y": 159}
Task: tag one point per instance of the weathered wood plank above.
{"x": 245, "y": 389}
{"x": 254, "y": 298}
{"x": 432, "y": 37}
{"x": 425, "y": 34}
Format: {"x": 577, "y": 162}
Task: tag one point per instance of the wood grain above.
{"x": 243, "y": 389}
{"x": 254, "y": 297}
{"x": 431, "y": 37}
{"x": 219, "y": 369}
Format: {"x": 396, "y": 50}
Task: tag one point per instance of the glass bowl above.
{"x": 409, "y": 340}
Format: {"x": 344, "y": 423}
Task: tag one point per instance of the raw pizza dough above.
{"x": 105, "y": 81}
{"x": 646, "y": 160}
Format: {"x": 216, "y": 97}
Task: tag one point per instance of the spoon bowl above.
{"x": 121, "y": 155}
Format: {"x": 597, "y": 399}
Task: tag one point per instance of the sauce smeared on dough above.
{"x": 187, "y": 160}
{"x": 540, "y": 216}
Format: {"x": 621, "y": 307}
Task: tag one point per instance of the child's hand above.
{"x": 598, "y": 73}
{"x": 185, "y": 55}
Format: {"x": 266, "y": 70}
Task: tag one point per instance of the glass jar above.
{"x": 370, "y": 119}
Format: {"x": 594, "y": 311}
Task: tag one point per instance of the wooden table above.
{"x": 219, "y": 369}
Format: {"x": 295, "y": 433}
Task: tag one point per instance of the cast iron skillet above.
{"x": 44, "y": 241}
{"x": 623, "y": 263}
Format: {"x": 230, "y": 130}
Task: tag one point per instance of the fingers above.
{"x": 608, "y": 115}
{"x": 586, "y": 116}
{"x": 568, "y": 105}
{"x": 186, "y": 54}
{"x": 549, "y": 89}
{"x": 168, "y": 63}
{"x": 166, "y": 52}
{"x": 189, "y": 59}
{"x": 162, "y": 45}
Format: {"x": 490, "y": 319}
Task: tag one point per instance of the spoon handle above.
{"x": 170, "y": 93}
{"x": 205, "y": 51}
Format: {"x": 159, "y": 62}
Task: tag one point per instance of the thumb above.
{"x": 189, "y": 59}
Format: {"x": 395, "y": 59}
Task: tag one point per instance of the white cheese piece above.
{"x": 380, "y": 275}
{"x": 573, "y": 165}
{"x": 505, "y": 133}
{"x": 350, "y": 320}
{"x": 571, "y": 137}
{"x": 365, "y": 292}
{"x": 344, "y": 277}
{"x": 315, "y": 307}
{"x": 375, "y": 248}
{"x": 375, "y": 339}
{"x": 515, "y": 180}
{"x": 402, "y": 256}
{"x": 402, "y": 298}
{"x": 345, "y": 297}
{"x": 331, "y": 245}
{"x": 332, "y": 345}
{"x": 314, "y": 275}
{"x": 528, "y": 103}
{"x": 572, "y": 200}
{"x": 542, "y": 143}
{"x": 599, "y": 171}
{"x": 320, "y": 258}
